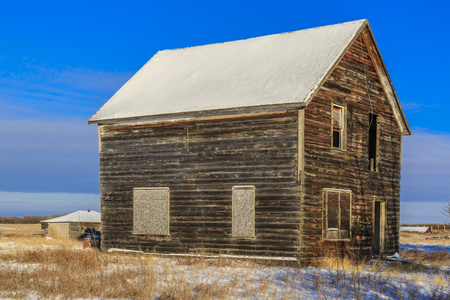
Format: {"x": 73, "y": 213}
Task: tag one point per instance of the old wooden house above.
{"x": 285, "y": 145}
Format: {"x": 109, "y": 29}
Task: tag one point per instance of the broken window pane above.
{"x": 345, "y": 211}
{"x": 337, "y": 126}
{"x": 333, "y": 210}
{"x": 373, "y": 137}
{"x": 337, "y": 117}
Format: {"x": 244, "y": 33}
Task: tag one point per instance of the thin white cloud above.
{"x": 426, "y": 167}
{"x": 20, "y": 204}
{"x": 56, "y": 89}
{"x": 415, "y": 106}
{"x": 80, "y": 78}
{"x": 46, "y": 135}
{"x": 86, "y": 79}
{"x": 59, "y": 155}
{"x": 421, "y": 212}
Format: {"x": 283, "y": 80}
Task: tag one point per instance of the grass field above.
{"x": 36, "y": 268}
{"x": 20, "y": 230}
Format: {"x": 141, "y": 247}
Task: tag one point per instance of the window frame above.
{"x": 342, "y": 128}
{"x": 325, "y": 229}
{"x": 235, "y": 213}
{"x": 146, "y": 215}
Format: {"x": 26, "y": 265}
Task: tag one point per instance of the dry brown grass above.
{"x": 414, "y": 238}
{"x": 59, "y": 270}
{"x": 89, "y": 273}
{"x": 39, "y": 241}
{"x": 72, "y": 274}
{"x": 341, "y": 263}
{"x": 437, "y": 259}
{"x": 30, "y": 235}
{"x": 20, "y": 230}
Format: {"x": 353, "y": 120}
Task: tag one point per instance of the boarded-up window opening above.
{"x": 337, "y": 214}
{"x": 151, "y": 211}
{"x": 373, "y": 141}
{"x": 338, "y": 127}
{"x": 243, "y": 211}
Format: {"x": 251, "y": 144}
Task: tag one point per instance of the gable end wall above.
{"x": 354, "y": 85}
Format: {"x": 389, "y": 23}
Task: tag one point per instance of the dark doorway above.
{"x": 379, "y": 227}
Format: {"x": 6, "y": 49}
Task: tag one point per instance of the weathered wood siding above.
{"x": 354, "y": 84}
{"x": 59, "y": 231}
{"x": 200, "y": 162}
{"x": 44, "y": 229}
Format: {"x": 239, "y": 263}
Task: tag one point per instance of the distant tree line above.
{"x": 27, "y": 219}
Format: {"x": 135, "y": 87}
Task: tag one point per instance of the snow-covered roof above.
{"x": 78, "y": 216}
{"x": 415, "y": 229}
{"x": 270, "y": 70}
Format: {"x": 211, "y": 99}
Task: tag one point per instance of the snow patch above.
{"x": 78, "y": 216}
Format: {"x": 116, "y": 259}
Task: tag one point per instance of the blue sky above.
{"x": 60, "y": 62}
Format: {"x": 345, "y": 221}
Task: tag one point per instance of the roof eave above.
{"x": 200, "y": 114}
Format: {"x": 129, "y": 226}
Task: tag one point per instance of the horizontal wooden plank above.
{"x": 355, "y": 85}
{"x": 201, "y": 163}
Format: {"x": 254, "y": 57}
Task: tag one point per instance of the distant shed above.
{"x": 70, "y": 226}
{"x": 416, "y": 229}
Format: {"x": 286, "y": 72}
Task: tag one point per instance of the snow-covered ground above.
{"x": 250, "y": 280}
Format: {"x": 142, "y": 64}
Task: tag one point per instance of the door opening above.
{"x": 379, "y": 226}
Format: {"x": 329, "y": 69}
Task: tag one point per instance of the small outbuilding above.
{"x": 70, "y": 226}
{"x": 423, "y": 229}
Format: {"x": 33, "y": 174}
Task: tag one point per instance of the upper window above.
{"x": 373, "y": 142}
{"x": 151, "y": 211}
{"x": 243, "y": 211}
{"x": 337, "y": 214}
{"x": 338, "y": 127}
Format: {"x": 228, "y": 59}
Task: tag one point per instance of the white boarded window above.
{"x": 151, "y": 211}
{"x": 243, "y": 211}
